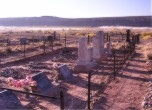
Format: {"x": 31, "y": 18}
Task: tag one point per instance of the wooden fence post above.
{"x": 62, "y": 100}
{"x": 89, "y": 86}
{"x": 54, "y": 36}
{"x": 52, "y": 44}
{"x": 128, "y": 35}
{"x": 114, "y": 64}
{"x": 59, "y": 38}
{"x": 44, "y": 46}
{"x": 24, "y": 50}
{"x": 88, "y": 39}
{"x": 124, "y": 54}
{"x": 65, "y": 40}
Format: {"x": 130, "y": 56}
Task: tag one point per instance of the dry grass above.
{"x": 37, "y": 32}
{"x": 146, "y": 35}
{"x": 119, "y": 45}
{"x": 148, "y": 51}
{"x": 19, "y": 48}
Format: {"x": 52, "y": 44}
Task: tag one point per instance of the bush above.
{"x": 9, "y": 50}
{"x": 146, "y": 36}
{"x": 149, "y": 56}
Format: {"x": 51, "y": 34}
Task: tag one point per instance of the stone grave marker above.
{"x": 65, "y": 72}
{"x": 98, "y": 45}
{"x": 85, "y": 57}
{"x": 90, "y": 55}
{"x": 43, "y": 83}
{"x": 8, "y": 100}
{"x": 82, "y": 52}
{"x": 23, "y": 41}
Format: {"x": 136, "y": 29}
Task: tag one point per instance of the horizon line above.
{"x": 75, "y": 17}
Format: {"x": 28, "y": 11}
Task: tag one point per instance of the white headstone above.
{"x": 82, "y": 51}
{"x": 85, "y": 56}
{"x": 98, "y": 45}
{"x": 96, "y": 50}
{"x": 90, "y": 54}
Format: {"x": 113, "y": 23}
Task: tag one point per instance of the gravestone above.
{"x": 43, "y": 83}
{"x": 85, "y": 57}
{"x": 90, "y": 54}
{"x": 65, "y": 72}
{"x": 82, "y": 51}
{"x": 98, "y": 45}
{"x": 23, "y": 41}
{"x": 8, "y": 100}
{"x": 96, "y": 49}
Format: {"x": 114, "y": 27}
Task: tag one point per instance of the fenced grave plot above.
{"x": 66, "y": 55}
{"x": 8, "y": 100}
{"x": 71, "y": 41}
{"x": 35, "y": 46}
{"x": 115, "y": 36}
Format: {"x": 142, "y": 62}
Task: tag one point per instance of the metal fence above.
{"x": 119, "y": 56}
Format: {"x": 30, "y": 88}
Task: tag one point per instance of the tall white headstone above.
{"x": 82, "y": 51}
{"x": 90, "y": 55}
{"x": 96, "y": 48}
{"x": 98, "y": 45}
{"x": 85, "y": 57}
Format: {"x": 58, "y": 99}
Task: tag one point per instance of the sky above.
{"x": 75, "y": 8}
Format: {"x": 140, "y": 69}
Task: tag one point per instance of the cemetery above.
{"x": 66, "y": 72}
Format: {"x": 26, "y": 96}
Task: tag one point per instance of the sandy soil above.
{"x": 124, "y": 93}
{"x": 129, "y": 88}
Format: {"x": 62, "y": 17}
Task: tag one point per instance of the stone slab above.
{"x": 43, "y": 83}
{"x": 8, "y": 100}
{"x": 85, "y": 68}
{"x": 65, "y": 72}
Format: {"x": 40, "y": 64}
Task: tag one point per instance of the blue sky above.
{"x": 75, "y": 8}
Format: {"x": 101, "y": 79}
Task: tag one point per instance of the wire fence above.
{"x": 119, "y": 56}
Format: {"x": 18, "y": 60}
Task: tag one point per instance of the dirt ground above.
{"x": 126, "y": 92}
{"x": 129, "y": 88}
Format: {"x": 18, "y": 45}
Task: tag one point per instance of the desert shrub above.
{"x": 119, "y": 45}
{"x": 9, "y": 50}
{"x": 91, "y": 34}
{"x": 80, "y": 34}
{"x": 148, "y": 51}
{"x": 146, "y": 36}
{"x": 149, "y": 56}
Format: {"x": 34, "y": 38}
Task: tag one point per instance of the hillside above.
{"x": 140, "y": 21}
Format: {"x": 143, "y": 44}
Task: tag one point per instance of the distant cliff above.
{"x": 140, "y": 21}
